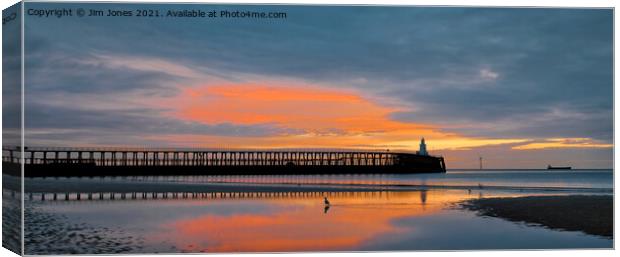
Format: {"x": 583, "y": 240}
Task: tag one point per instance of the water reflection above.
{"x": 116, "y": 196}
{"x": 225, "y": 222}
{"x": 290, "y": 213}
{"x": 281, "y": 221}
{"x": 346, "y": 224}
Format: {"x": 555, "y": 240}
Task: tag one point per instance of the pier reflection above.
{"x": 421, "y": 195}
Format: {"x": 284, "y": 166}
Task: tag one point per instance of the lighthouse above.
{"x": 422, "y": 148}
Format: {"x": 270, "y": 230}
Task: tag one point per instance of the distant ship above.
{"x": 549, "y": 167}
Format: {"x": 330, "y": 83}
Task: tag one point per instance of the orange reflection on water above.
{"x": 304, "y": 224}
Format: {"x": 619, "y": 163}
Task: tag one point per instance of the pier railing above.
{"x": 196, "y": 157}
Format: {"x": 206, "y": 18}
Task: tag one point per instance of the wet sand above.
{"x": 592, "y": 214}
{"x": 11, "y": 222}
{"x": 52, "y": 233}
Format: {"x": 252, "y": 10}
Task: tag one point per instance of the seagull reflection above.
{"x": 326, "y": 204}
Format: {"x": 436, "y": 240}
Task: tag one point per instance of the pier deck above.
{"x": 66, "y": 161}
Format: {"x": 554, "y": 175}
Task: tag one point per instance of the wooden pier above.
{"x": 68, "y": 161}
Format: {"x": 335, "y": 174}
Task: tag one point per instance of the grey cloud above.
{"x": 500, "y": 156}
{"x": 429, "y": 58}
{"x": 134, "y": 121}
{"x": 11, "y": 78}
{"x": 72, "y": 72}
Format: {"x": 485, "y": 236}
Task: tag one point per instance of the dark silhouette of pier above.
{"x": 118, "y": 196}
{"x": 71, "y": 161}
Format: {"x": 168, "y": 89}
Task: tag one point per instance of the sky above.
{"x": 522, "y": 88}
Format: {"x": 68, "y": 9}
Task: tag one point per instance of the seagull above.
{"x": 326, "y": 201}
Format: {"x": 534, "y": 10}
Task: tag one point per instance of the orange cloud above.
{"x": 313, "y": 116}
{"x": 323, "y": 117}
{"x": 301, "y": 107}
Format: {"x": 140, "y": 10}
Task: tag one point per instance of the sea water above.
{"x": 287, "y": 213}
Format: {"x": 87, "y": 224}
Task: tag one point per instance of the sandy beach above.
{"x": 11, "y": 222}
{"x": 52, "y": 233}
{"x": 592, "y": 214}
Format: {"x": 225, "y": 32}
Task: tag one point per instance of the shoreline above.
{"x": 120, "y": 186}
{"x": 591, "y": 214}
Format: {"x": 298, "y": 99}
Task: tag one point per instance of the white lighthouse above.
{"x": 422, "y": 148}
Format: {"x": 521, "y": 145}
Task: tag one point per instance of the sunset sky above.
{"x": 521, "y": 87}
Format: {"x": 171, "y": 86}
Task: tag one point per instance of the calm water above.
{"x": 582, "y": 179}
{"x": 420, "y": 215}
